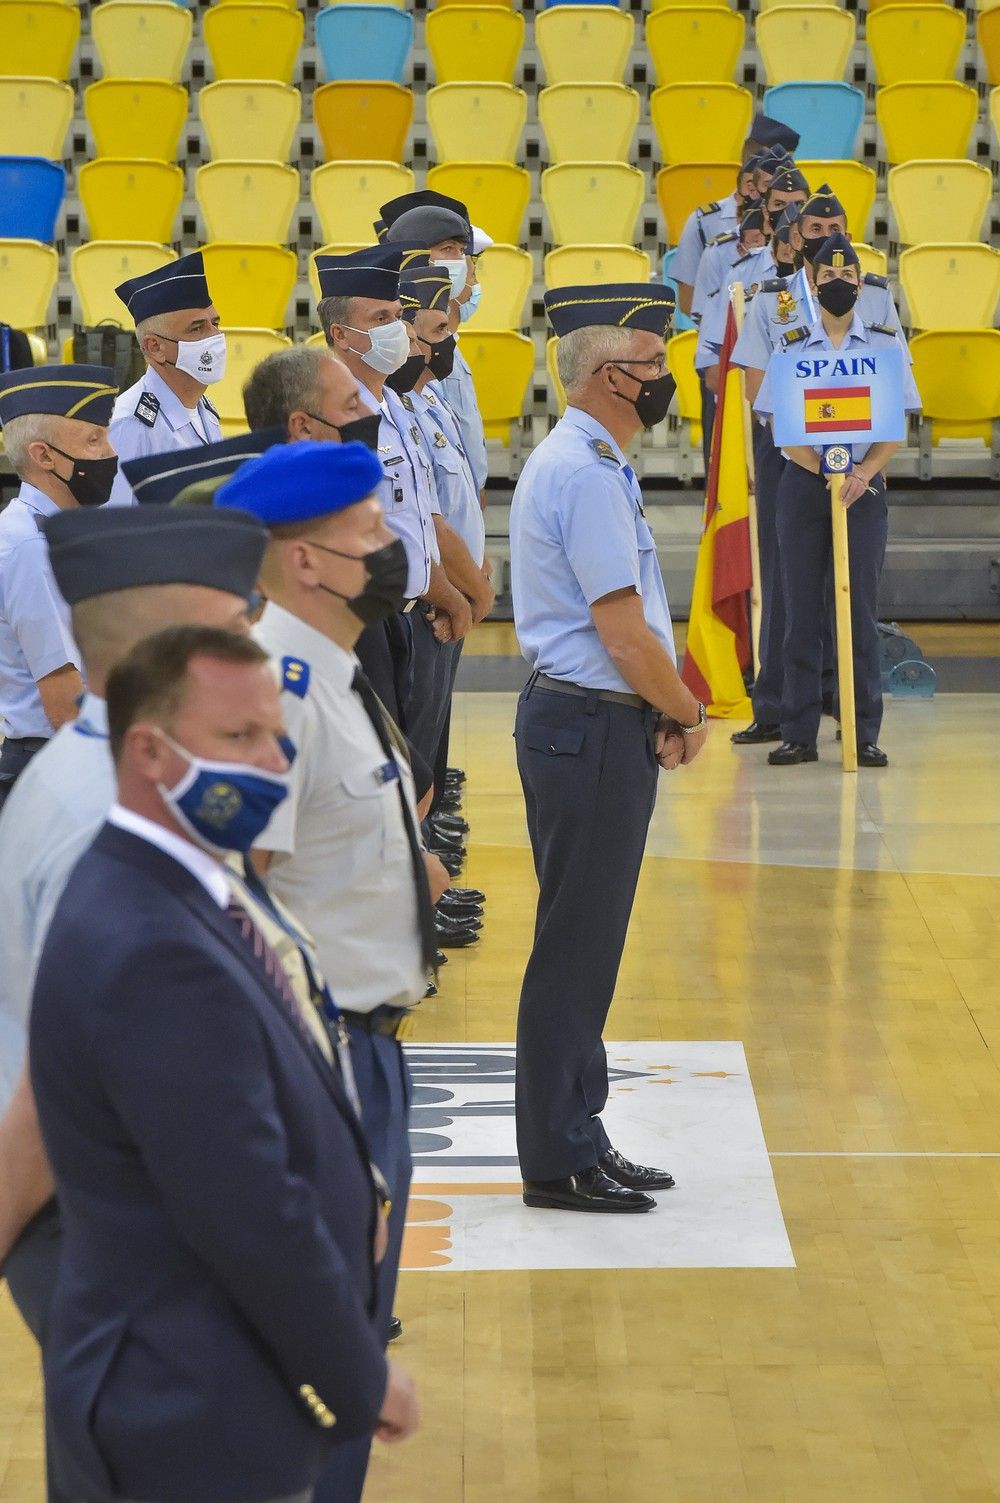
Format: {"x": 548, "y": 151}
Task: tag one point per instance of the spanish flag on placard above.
{"x": 718, "y": 638}
{"x": 838, "y": 409}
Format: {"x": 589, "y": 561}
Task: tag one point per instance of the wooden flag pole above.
{"x": 737, "y": 297}
{"x": 842, "y": 596}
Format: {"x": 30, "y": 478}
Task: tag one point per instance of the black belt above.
{"x": 390, "y": 1022}
{"x": 563, "y": 686}
{"x": 26, "y": 743}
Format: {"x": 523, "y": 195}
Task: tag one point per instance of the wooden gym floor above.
{"x": 847, "y": 934}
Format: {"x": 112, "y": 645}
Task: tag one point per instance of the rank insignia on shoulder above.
{"x": 725, "y": 239}
{"x": 881, "y": 329}
{"x": 210, "y": 407}
{"x": 872, "y": 279}
{"x": 429, "y": 398}
{"x": 295, "y": 676}
{"x": 407, "y": 403}
{"x": 793, "y": 336}
{"x": 712, "y": 208}
{"x": 147, "y": 409}
{"x": 440, "y": 442}
{"x": 603, "y": 449}
{"x": 773, "y": 284}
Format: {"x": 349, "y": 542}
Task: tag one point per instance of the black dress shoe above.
{"x": 871, "y": 755}
{"x": 462, "y": 912}
{"x": 395, "y": 1328}
{"x": 440, "y": 959}
{"x": 457, "y": 939}
{"x": 756, "y": 734}
{"x": 634, "y": 1176}
{"x": 451, "y": 864}
{"x": 445, "y": 921}
{"x": 791, "y": 752}
{"x": 441, "y": 840}
{"x": 466, "y": 892}
{"x": 452, "y": 824}
{"x": 454, "y": 774}
{"x": 590, "y": 1190}
{"x": 431, "y": 991}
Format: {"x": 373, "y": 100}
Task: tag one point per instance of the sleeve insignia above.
{"x": 725, "y": 239}
{"x": 603, "y": 449}
{"x": 295, "y": 676}
{"x": 147, "y": 409}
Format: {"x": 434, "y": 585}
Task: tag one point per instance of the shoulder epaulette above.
{"x": 603, "y": 450}
{"x": 773, "y": 284}
{"x": 725, "y": 238}
{"x": 210, "y": 408}
{"x": 881, "y": 329}
{"x": 794, "y": 335}
{"x": 872, "y": 279}
{"x": 147, "y": 409}
{"x": 712, "y": 208}
{"x": 295, "y": 676}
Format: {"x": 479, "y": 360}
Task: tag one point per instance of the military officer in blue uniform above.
{"x": 725, "y": 252}
{"x": 55, "y": 429}
{"x": 177, "y": 326}
{"x": 804, "y": 531}
{"x": 603, "y": 709}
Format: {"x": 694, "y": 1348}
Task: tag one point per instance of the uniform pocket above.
{"x": 566, "y": 741}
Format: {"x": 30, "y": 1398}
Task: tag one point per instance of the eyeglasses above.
{"x": 657, "y": 364}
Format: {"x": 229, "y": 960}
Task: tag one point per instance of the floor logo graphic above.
{"x": 686, "y": 1107}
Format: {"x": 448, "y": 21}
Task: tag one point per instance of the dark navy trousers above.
{"x": 383, "y": 1079}
{"x": 769, "y": 463}
{"x": 805, "y": 538}
{"x": 588, "y": 771}
{"x": 425, "y": 711}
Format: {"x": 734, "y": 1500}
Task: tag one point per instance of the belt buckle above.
{"x": 406, "y": 1027}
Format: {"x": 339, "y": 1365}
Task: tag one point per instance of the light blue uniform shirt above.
{"x": 149, "y": 418}
{"x": 458, "y": 493}
{"x": 713, "y": 268}
{"x": 755, "y": 267}
{"x": 701, "y": 227}
{"x": 859, "y": 337}
{"x": 459, "y": 391}
{"x": 52, "y": 814}
{"x": 577, "y": 533}
{"x": 409, "y": 497}
{"x": 35, "y": 635}
{"x": 770, "y": 315}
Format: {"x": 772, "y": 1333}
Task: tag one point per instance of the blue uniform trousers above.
{"x": 450, "y": 659}
{"x": 588, "y": 770}
{"x": 707, "y": 421}
{"x": 15, "y": 754}
{"x": 383, "y": 1079}
{"x": 769, "y": 463}
{"x": 806, "y": 543}
{"x": 425, "y": 710}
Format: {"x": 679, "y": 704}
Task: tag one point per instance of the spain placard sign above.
{"x": 847, "y": 396}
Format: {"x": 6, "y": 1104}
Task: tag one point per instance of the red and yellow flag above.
{"x": 718, "y": 638}
{"x": 838, "y": 409}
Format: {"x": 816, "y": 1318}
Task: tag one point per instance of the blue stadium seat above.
{"x": 826, "y": 115}
{"x": 31, "y": 194}
{"x": 364, "y": 42}
{"x": 681, "y": 321}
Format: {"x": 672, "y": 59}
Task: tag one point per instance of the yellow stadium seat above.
{"x": 957, "y": 372}
{"x": 684, "y": 186}
{"x": 590, "y": 201}
{"x": 358, "y": 121}
{"x": 136, "y": 115}
{"x": 29, "y": 271}
{"x": 495, "y": 193}
{"x": 950, "y": 286}
{"x": 988, "y": 32}
{"x": 680, "y": 363}
{"x": 912, "y": 42}
{"x": 921, "y": 120}
{"x": 701, "y": 122}
{"x": 504, "y": 3}
{"x": 100, "y": 266}
{"x": 251, "y": 282}
{"x": 347, "y": 197}
{"x": 664, "y": 4}
{"x": 38, "y": 40}
{"x": 505, "y": 274}
{"x": 490, "y": 116}
{"x": 588, "y": 122}
{"x": 251, "y": 201}
{"x": 35, "y": 114}
{"x": 871, "y": 259}
{"x": 245, "y": 349}
{"x": 319, "y": 338}
{"x": 770, "y": 4}
{"x": 852, "y": 182}
{"x": 995, "y": 108}
{"x": 878, "y": 4}
{"x": 584, "y": 43}
{"x": 337, "y": 248}
{"x": 253, "y": 41}
{"x": 568, "y": 265}
{"x": 141, "y": 38}
{"x": 474, "y": 42}
{"x": 133, "y": 199}
{"x": 250, "y": 120}
{"x": 694, "y": 43}
{"x": 801, "y": 42}
{"x": 502, "y": 363}
{"x": 930, "y": 197}
{"x": 552, "y": 367}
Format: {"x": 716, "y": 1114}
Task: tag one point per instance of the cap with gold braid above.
{"x": 372, "y": 272}
{"x": 823, "y": 204}
{"x": 86, "y": 392}
{"x": 618, "y": 305}
{"x": 836, "y": 251}
{"x": 424, "y": 286}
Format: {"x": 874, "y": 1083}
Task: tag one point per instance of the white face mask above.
{"x": 458, "y": 272}
{"x": 390, "y": 346}
{"x": 204, "y": 359}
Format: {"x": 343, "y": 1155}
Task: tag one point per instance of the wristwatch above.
{"x": 699, "y": 725}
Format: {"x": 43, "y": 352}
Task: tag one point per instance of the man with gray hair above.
{"x": 603, "y": 708}
{"x": 177, "y": 326}
{"x": 311, "y": 394}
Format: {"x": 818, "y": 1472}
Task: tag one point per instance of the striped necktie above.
{"x": 270, "y": 964}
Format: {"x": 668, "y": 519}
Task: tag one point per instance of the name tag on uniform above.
{"x": 387, "y": 773}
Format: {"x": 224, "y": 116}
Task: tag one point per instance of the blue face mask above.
{"x": 225, "y": 806}
{"x": 466, "y": 310}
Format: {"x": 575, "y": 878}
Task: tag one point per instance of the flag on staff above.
{"x": 838, "y": 409}
{"x": 718, "y": 638}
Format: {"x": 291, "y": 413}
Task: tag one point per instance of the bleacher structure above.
{"x": 580, "y": 135}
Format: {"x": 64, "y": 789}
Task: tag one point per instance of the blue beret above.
{"x": 160, "y": 477}
{"x": 86, "y": 392}
{"x": 620, "y": 305}
{"x": 372, "y": 272}
{"x": 96, "y": 550}
{"x": 181, "y": 284}
{"x": 836, "y": 250}
{"x": 299, "y": 482}
{"x": 769, "y": 132}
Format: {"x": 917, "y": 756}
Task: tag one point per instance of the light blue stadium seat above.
{"x": 681, "y": 320}
{"x": 364, "y": 42}
{"x": 31, "y": 194}
{"x": 826, "y": 115}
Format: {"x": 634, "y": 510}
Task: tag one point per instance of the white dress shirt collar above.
{"x": 324, "y": 656}
{"x": 199, "y": 863}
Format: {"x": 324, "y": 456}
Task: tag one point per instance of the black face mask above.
{"x": 441, "y": 358}
{"x": 784, "y": 269}
{"x": 652, "y": 399}
{"x": 837, "y": 297}
{"x": 409, "y": 373}
{"x": 361, "y": 431}
{"x": 90, "y": 480}
{"x": 385, "y": 587}
{"x": 812, "y": 245}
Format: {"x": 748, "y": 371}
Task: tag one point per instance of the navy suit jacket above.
{"x": 217, "y": 1199}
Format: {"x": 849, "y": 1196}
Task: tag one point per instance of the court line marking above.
{"x": 862, "y": 1153}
